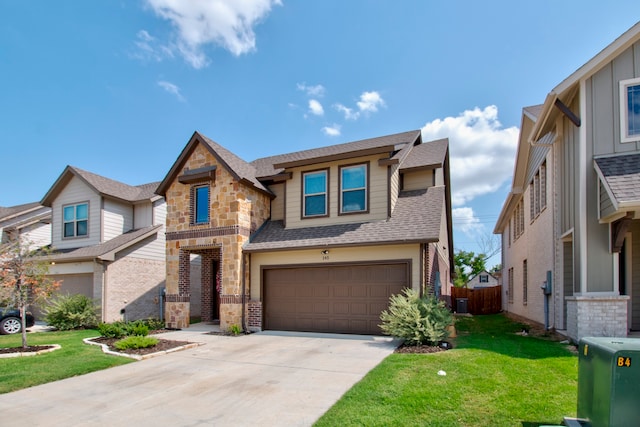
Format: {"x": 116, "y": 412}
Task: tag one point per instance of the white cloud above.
{"x": 349, "y": 114}
{"x": 315, "y": 107}
{"x": 482, "y": 151}
{"x": 225, "y": 23}
{"x": 317, "y": 90}
{"x": 149, "y": 48}
{"x": 370, "y": 101}
{"x": 172, "y": 89}
{"x": 333, "y": 130}
{"x": 465, "y": 220}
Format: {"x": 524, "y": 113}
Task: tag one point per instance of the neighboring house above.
{"x": 108, "y": 243}
{"x": 30, "y": 222}
{"x": 572, "y": 219}
{"x": 315, "y": 240}
{"x": 484, "y": 279}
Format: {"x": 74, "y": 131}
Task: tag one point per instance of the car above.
{"x": 10, "y": 322}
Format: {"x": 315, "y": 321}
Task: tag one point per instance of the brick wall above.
{"x": 597, "y": 316}
{"x": 133, "y": 284}
{"x": 254, "y": 316}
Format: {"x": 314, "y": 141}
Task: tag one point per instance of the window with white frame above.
{"x": 75, "y": 219}
{"x": 353, "y": 189}
{"x": 538, "y": 192}
{"x": 630, "y": 110}
{"x": 518, "y": 220}
{"x": 314, "y": 193}
{"x": 484, "y": 278}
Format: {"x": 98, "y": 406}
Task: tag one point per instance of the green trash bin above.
{"x": 609, "y": 381}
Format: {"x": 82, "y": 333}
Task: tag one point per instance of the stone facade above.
{"x": 589, "y": 316}
{"x": 235, "y": 211}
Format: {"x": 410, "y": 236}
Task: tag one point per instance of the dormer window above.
{"x": 630, "y": 110}
{"x": 75, "y": 220}
{"x": 353, "y": 189}
{"x": 314, "y": 190}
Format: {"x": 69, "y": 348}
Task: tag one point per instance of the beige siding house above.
{"x": 315, "y": 240}
{"x": 108, "y": 243}
{"x": 572, "y": 218}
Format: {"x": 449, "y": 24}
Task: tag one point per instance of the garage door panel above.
{"x": 340, "y": 299}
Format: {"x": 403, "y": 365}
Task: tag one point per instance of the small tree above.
{"x": 418, "y": 320}
{"x": 467, "y": 265}
{"x": 23, "y": 276}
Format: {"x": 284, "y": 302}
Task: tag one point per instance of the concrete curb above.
{"x": 32, "y": 353}
{"x": 106, "y": 350}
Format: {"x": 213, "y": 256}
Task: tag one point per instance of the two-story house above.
{"x": 108, "y": 243}
{"x": 572, "y": 219}
{"x": 316, "y": 240}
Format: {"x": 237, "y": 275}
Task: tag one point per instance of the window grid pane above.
{"x": 353, "y": 201}
{"x": 75, "y": 220}
{"x": 315, "y": 193}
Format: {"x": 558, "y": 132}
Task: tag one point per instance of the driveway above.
{"x": 262, "y": 379}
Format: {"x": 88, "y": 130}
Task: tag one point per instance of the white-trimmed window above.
{"x": 353, "y": 189}
{"x": 484, "y": 278}
{"x": 75, "y": 219}
{"x": 510, "y": 285}
{"x": 630, "y": 110}
{"x": 538, "y": 192}
{"x": 314, "y": 193}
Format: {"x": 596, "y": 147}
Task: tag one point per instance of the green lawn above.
{"x": 494, "y": 377}
{"x": 74, "y": 358}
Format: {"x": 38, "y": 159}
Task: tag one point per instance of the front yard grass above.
{"x": 494, "y": 377}
{"x": 74, "y": 358}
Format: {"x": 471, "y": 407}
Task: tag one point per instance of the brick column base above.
{"x": 254, "y": 314}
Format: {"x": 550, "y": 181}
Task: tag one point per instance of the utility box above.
{"x": 461, "y": 305}
{"x": 609, "y": 381}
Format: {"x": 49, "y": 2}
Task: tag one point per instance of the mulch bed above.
{"x": 163, "y": 345}
{"x": 419, "y": 349}
{"x": 29, "y": 349}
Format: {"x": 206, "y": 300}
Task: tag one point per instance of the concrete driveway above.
{"x": 262, "y": 379}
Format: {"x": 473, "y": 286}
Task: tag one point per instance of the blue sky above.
{"x": 118, "y": 87}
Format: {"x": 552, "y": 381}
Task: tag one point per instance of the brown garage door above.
{"x": 338, "y": 298}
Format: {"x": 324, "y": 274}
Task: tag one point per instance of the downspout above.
{"x": 244, "y": 292}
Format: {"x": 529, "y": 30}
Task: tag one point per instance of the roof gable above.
{"x": 240, "y": 170}
{"x": 106, "y": 187}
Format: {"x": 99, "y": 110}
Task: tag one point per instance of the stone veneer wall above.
{"x": 235, "y": 211}
{"x": 590, "y": 316}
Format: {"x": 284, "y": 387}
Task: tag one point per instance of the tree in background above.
{"x": 23, "y": 277}
{"x": 467, "y": 265}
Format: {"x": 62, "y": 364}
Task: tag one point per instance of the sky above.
{"x": 117, "y": 88}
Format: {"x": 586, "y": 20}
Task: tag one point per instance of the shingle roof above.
{"x": 273, "y": 165}
{"x": 428, "y": 154}
{"x": 114, "y": 245}
{"x": 416, "y": 219}
{"x": 622, "y": 176}
{"x": 16, "y": 210}
{"x": 234, "y": 163}
{"x": 102, "y": 185}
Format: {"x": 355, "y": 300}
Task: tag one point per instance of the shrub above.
{"x": 136, "y": 341}
{"x": 235, "y": 329}
{"x": 66, "y": 312}
{"x": 418, "y": 320}
{"x": 154, "y": 324}
{"x": 123, "y": 329}
{"x": 112, "y": 330}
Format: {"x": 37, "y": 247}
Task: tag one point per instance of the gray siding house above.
{"x": 108, "y": 242}
{"x": 572, "y": 218}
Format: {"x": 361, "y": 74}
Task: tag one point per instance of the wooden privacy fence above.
{"x": 479, "y": 301}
